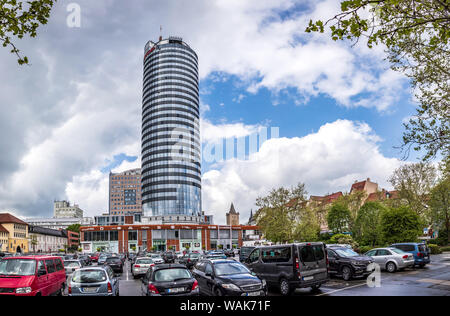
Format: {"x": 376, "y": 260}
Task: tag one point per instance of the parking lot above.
{"x": 433, "y": 280}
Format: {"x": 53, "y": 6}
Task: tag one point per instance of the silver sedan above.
{"x": 141, "y": 266}
{"x": 391, "y": 259}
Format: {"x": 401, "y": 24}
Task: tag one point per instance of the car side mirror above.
{"x": 208, "y": 274}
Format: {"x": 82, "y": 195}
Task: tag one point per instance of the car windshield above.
{"x": 400, "y": 252}
{"x": 229, "y": 268}
{"x": 144, "y": 261}
{"x": 17, "y": 267}
{"x": 89, "y": 276}
{"x": 156, "y": 256}
{"x": 346, "y": 253}
{"x": 171, "y": 275}
{"x": 71, "y": 264}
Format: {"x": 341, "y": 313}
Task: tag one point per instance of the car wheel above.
{"x": 391, "y": 267}
{"x": 421, "y": 266}
{"x": 285, "y": 289}
{"x": 217, "y": 292}
{"x": 316, "y": 287}
{"x": 346, "y": 273}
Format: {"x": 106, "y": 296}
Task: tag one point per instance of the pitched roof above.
{"x": 8, "y": 218}
{"x": 3, "y": 229}
{"x": 358, "y": 186}
{"x": 232, "y": 210}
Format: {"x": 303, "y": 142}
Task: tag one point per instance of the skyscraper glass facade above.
{"x": 171, "y": 159}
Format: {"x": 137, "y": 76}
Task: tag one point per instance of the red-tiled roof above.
{"x": 332, "y": 197}
{"x": 8, "y": 218}
{"x": 358, "y": 186}
{"x": 3, "y": 229}
{"x": 375, "y": 196}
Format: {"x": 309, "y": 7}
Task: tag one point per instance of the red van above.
{"x": 32, "y": 276}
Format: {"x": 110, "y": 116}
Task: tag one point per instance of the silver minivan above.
{"x": 94, "y": 281}
{"x": 290, "y": 266}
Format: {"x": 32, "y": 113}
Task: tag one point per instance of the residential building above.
{"x": 171, "y": 148}
{"x": 4, "y": 237}
{"x": 125, "y": 192}
{"x": 46, "y": 239}
{"x": 232, "y": 216}
{"x": 366, "y": 186}
{"x": 17, "y": 233}
{"x": 63, "y": 209}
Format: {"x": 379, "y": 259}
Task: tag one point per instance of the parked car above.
{"x": 157, "y": 259}
{"x": 420, "y": 251}
{"x": 141, "y": 266}
{"x": 94, "y": 257}
{"x": 189, "y": 259}
{"x": 115, "y": 263}
{"x": 391, "y": 259}
{"x": 229, "y": 252}
{"x": 86, "y": 260}
{"x": 290, "y": 266}
{"x": 224, "y": 277}
{"x": 102, "y": 258}
{"x": 244, "y": 252}
{"x": 70, "y": 266}
{"x": 169, "y": 257}
{"x": 94, "y": 281}
{"x": 169, "y": 280}
{"x": 348, "y": 264}
{"x": 32, "y": 276}
{"x": 218, "y": 255}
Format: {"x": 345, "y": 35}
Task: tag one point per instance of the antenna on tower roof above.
{"x": 160, "y": 33}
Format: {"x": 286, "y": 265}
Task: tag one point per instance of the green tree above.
{"x": 353, "y": 202}
{"x": 308, "y": 227}
{"x": 414, "y": 183}
{"x": 440, "y": 205}
{"x": 416, "y": 34}
{"x": 74, "y": 228}
{"x": 20, "y": 18}
{"x": 400, "y": 225}
{"x": 367, "y": 225}
{"x": 280, "y": 212}
{"x": 339, "y": 219}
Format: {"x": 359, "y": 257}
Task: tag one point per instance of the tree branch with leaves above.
{"x": 20, "y": 18}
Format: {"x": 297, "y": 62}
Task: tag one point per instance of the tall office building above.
{"x": 171, "y": 171}
{"x": 125, "y": 192}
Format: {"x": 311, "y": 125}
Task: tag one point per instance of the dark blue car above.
{"x": 420, "y": 251}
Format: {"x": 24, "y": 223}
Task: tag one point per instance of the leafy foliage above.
{"x": 400, "y": 225}
{"x": 440, "y": 206}
{"x": 414, "y": 183}
{"x": 282, "y": 211}
{"x": 416, "y": 34}
{"x": 339, "y": 219}
{"x": 367, "y": 224}
{"x": 74, "y": 228}
{"x": 19, "y": 18}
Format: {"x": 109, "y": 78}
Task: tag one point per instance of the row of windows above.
{"x": 192, "y": 122}
{"x": 166, "y": 54}
{"x": 168, "y": 83}
{"x": 167, "y": 166}
{"x": 174, "y": 182}
{"x": 164, "y": 49}
{"x": 147, "y": 161}
{"x": 152, "y": 105}
{"x": 170, "y": 188}
{"x": 169, "y": 72}
{"x": 172, "y": 61}
{"x": 169, "y": 152}
{"x": 172, "y": 125}
{"x": 162, "y": 70}
{"x": 164, "y": 78}
{"x": 188, "y": 91}
{"x": 171, "y": 131}
{"x": 148, "y": 140}
{"x": 163, "y": 95}
{"x": 175, "y": 147}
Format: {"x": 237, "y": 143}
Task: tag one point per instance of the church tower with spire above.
{"x": 232, "y": 216}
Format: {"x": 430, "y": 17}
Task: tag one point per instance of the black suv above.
{"x": 348, "y": 264}
{"x": 169, "y": 257}
{"x": 225, "y": 277}
{"x": 288, "y": 267}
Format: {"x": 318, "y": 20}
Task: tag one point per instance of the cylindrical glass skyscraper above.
{"x": 171, "y": 170}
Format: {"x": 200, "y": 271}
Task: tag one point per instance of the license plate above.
{"x": 308, "y": 278}
{"x": 89, "y": 290}
{"x": 253, "y": 294}
{"x": 176, "y": 290}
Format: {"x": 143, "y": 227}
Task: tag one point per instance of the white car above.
{"x": 141, "y": 266}
{"x": 156, "y": 258}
